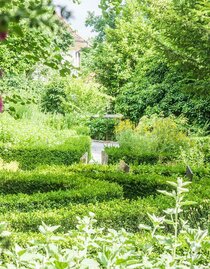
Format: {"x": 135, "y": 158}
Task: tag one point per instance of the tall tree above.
{"x": 156, "y": 54}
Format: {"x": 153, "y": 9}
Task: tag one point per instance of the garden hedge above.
{"x": 30, "y": 157}
{"x": 144, "y": 180}
{"x": 92, "y": 191}
{"x": 83, "y": 189}
{"x": 115, "y": 214}
{"x": 30, "y": 182}
{"x": 116, "y": 154}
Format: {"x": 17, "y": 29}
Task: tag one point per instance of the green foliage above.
{"x": 157, "y": 90}
{"x": 93, "y": 248}
{"x": 155, "y": 138}
{"x": 110, "y": 214}
{"x": 139, "y": 185}
{"x": 68, "y": 152}
{"x": 117, "y": 154}
{"x": 165, "y": 134}
{"x": 19, "y": 92}
{"x": 147, "y": 58}
{"x": 52, "y": 100}
{"x": 36, "y": 36}
{"x": 142, "y": 182}
{"x": 74, "y": 96}
{"x": 87, "y": 191}
{"x": 36, "y": 129}
{"x": 102, "y": 128}
{"x": 34, "y": 142}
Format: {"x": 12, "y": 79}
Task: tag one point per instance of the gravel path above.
{"x": 97, "y": 147}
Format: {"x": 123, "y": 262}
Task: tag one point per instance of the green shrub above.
{"x": 168, "y": 169}
{"x": 110, "y": 214}
{"x": 117, "y": 154}
{"x": 142, "y": 181}
{"x": 52, "y": 100}
{"x": 90, "y": 192}
{"x": 29, "y": 157}
{"x": 74, "y": 95}
{"x": 171, "y": 169}
{"x": 30, "y": 182}
{"x": 102, "y": 128}
{"x": 90, "y": 247}
{"x": 140, "y": 185}
{"x": 81, "y": 130}
{"x": 82, "y": 184}
{"x": 158, "y": 137}
{"x": 133, "y": 185}
{"x": 35, "y": 131}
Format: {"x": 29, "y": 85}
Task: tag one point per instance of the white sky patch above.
{"x": 79, "y": 14}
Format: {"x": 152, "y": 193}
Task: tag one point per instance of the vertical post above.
{"x": 189, "y": 173}
{"x": 84, "y": 158}
{"x": 104, "y": 158}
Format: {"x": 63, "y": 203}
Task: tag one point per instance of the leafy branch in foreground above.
{"x": 96, "y": 248}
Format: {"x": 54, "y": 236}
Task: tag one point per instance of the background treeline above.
{"x": 153, "y": 57}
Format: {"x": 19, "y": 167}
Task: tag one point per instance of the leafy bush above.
{"x": 167, "y": 133}
{"x": 110, "y": 214}
{"x": 154, "y": 88}
{"x": 142, "y": 181}
{"x": 90, "y": 191}
{"x": 102, "y": 128}
{"x": 116, "y": 213}
{"x": 70, "y": 151}
{"x": 53, "y": 99}
{"x": 19, "y": 91}
{"x": 155, "y": 138}
{"x": 91, "y": 247}
{"x": 30, "y": 182}
{"x": 133, "y": 185}
{"x": 173, "y": 169}
{"x": 57, "y": 194}
{"x": 34, "y": 132}
{"x": 117, "y": 154}
{"x": 74, "y": 95}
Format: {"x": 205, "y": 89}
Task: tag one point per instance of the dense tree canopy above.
{"x": 31, "y": 32}
{"x": 154, "y": 57}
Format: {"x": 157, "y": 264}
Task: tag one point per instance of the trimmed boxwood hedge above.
{"x": 115, "y": 214}
{"x": 111, "y": 214}
{"x": 30, "y": 157}
{"x": 30, "y": 182}
{"x": 116, "y": 154}
{"x": 87, "y": 186}
{"x": 134, "y": 186}
{"x": 91, "y": 192}
{"x": 144, "y": 180}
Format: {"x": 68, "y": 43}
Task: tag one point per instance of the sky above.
{"x": 79, "y": 14}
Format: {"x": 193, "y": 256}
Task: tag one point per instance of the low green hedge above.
{"x": 93, "y": 191}
{"x": 167, "y": 169}
{"x": 144, "y": 180}
{"x": 30, "y": 157}
{"x": 133, "y": 185}
{"x": 117, "y": 213}
{"x": 30, "y": 182}
{"x": 110, "y": 214}
{"x": 116, "y": 154}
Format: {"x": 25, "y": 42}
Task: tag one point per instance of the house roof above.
{"x": 79, "y": 42}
